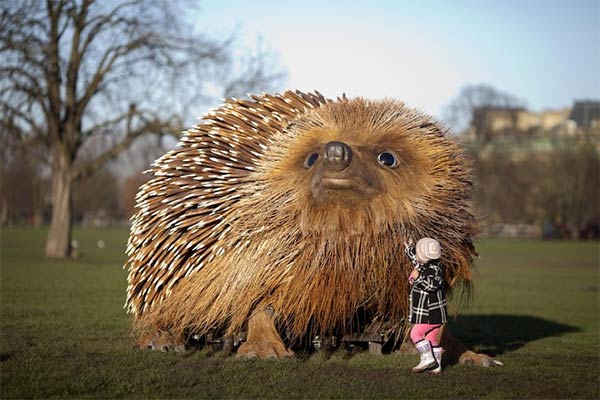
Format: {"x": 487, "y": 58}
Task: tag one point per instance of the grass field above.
{"x": 64, "y": 333}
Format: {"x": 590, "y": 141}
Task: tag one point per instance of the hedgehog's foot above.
{"x": 262, "y": 340}
{"x": 161, "y": 341}
{"x": 456, "y": 351}
{"x": 470, "y": 357}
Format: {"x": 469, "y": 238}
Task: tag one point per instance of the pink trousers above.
{"x": 425, "y": 331}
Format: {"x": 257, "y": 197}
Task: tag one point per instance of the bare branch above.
{"x": 154, "y": 126}
{"x": 111, "y": 55}
{"x": 29, "y": 136}
{"x": 100, "y": 22}
{"x": 102, "y": 126}
{"x": 75, "y": 55}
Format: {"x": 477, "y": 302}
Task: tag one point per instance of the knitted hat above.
{"x": 428, "y": 249}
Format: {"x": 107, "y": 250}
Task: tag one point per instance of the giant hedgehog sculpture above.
{"x": 284, "y": 216}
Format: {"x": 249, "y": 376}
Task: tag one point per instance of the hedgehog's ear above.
{"x": 432, "y": 127}
{"x": 429, "y": 125}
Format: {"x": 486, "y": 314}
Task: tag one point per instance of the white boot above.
{"x": 427, "y": 359}
{"x": 437, "y": 353}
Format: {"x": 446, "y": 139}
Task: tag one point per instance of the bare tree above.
{"x": 471, "y": 108}
{"x": 571, "y": 189}
{"x": 23, "y": 184}
{"x": 71, "y": 70}
{"x": 552, "y": 179}
{"x": 97, "y": 195}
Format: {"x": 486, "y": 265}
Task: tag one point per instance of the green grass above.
{"x": 64, "y": 333}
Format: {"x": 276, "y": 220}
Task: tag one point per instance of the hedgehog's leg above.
{"x": 262, "y": 340}
{"x": 456, "y": 351}
{"x": 161, "y": 341}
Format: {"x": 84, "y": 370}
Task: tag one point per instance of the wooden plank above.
{"x": 375, "y": 348}
{"x": 363, "y": 337}
{"x": 228, "y": 345}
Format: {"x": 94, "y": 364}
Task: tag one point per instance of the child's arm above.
{"x": 409, "y": 249}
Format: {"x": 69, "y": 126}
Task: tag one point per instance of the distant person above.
{"x": 428, "y": 310}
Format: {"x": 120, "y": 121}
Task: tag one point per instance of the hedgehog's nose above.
{"x": 337, "y": 155}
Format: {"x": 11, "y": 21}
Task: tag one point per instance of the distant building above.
{"x": 495, "y": 119}
{"x": 498, "y": 120}
{"x": 586, "y": 114}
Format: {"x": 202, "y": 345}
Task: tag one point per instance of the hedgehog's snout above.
{"x": 337, "y": 156}
{"x": 339, "y": 176}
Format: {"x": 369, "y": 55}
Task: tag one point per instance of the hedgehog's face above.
{"x": 348, "y": 173}
{"x": 340, "y": 174}
{"x": 361, "y": 170}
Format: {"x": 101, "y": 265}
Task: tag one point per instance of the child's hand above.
{"x": 413, "y": 275}
{"x": 408, "y": 243}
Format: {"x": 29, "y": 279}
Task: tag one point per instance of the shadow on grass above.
{"x": 496, "y": 334}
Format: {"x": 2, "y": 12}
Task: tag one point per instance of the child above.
{"x": 427, "y": 302}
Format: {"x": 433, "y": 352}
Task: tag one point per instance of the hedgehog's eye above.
{"x": 311, "y": 159}
{"x": 388, "y": 159}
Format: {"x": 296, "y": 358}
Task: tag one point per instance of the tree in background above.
{"x": 96, "y": 200}
{"x": 24, "y": 186}
{"x": 571, "y": 188}
{"x": 74, "y": 70}
{"x": 552, "y": 178}
{"x": 467, "y": 110}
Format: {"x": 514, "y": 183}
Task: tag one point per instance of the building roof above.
{"x": 584, "y": 112}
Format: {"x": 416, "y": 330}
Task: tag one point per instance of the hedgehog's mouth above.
{"x": 344, "y": 186}
{"x": 334, "y": 183}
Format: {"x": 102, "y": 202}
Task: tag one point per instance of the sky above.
{"x": 546, "y": 52}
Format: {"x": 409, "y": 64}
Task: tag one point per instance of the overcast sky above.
{"x": 546, "y": 52}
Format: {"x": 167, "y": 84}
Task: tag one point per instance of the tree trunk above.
{"x": 58, "y": 242}
{"x": 3, "y": 211}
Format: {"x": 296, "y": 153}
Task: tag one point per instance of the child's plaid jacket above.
{"x": 427, "y": 299}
